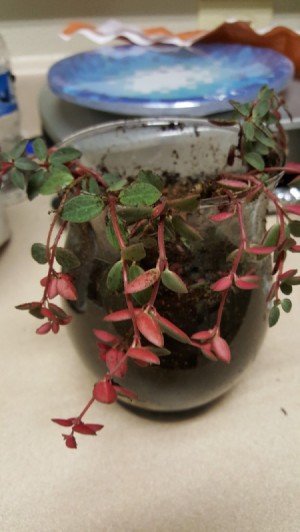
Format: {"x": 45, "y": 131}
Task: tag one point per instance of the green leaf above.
{"x": 272, "y": 236}
{"x": 40, "y": 149}
{"x": 274, "y": 316}
{"x": 294, "y": 226}
{"x": 188, "y": 204}
{"x": 19, "y": 149}
{"x": 139, "y": 194}
{"x": 93, "y": 187}
{"x": 261, "y": 148}
{"x": 255, "y": 160}
{"x": 261, "y": 109}
{"x": 114, "y": 280}
{"x": 55, "y": 181}
{"x": 134, "y": 214}
{"x": 135, "y": 252}
{"x": 111, "y": 235}
{"x": 67, "y": 259}
{"x": 64, "y": 155}
{"x": 173, "y": 282}
{"x": 249, "y": 130}
{"x": 184, "y": 229}
{"x": 82, "y": 208}
{"x": 243, "y": 109}
{"x": 39, "y": 253}
{"x": 35, "y": 181}
{"x": 110, "y": 179}
{"x": 264, "y": 139}
{"x": 142, "y": 297}
{"x": 17, "y": 178}
{"x": 286, "y": 305}
{"x": 118, "y": 185}
{"x": 286, "y": 288}
{"x": 146, "y": 176}
{"x": 22, "y": 163}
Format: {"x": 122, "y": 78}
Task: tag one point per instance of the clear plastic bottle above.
{"x": 9, "y": 122}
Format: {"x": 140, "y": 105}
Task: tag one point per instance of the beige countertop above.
{"x": 230, "y": 467}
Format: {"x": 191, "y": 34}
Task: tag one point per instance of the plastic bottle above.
{"x": 9, "y": 122}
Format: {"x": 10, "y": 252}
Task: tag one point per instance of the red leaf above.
{"x": 47, "y": 313}
{"x": 287, "y": 274}
{"x": 143, "y": 354}
{"x": 150, "y": 329}
{"x": 44, "y": 281}
{"x": 55, "y": 327}
{"x": 221, "y": 216}
{"x": 70, "y": 441}
{"x": 29, "y": 306}
{"x": 64, "y": 422}
{"x": 294, "y": 249}
{"x": 104, "y": 392}
{"x": 203, "y": 335}
{"x": 221, "y": 349}
{"x": 113, "y": 358}
{"x": 45, "y": 328}
{"x": 143, "y": 281}
{"x": 94, "y": 426}
{"x": 82, "y": 428}
{"x": 52, "y": 290}
{"x": 105, "y": 336}
{"x": 120, "y": 315}
{"x": 124, "y": 391}
{"x": 222, "y": 284}
{"x": 233, "y": 183}
{"x": 172, "y": 330}
{"x": 66, "y": 289}
{"x": 261, "y": 250}
{"x": 247, "y": 282}
{"x": 293, "y": 209}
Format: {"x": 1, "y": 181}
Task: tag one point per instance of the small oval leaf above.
{"x": 56, "y": 180}
{"x": 82, "y": 208}
{"x": 139, "y": 194}
{"x": 143, "y": 281}
{"x": 173, "y": 282}
{"x": 114, "y": 280}
{"x": 39, "y": 253}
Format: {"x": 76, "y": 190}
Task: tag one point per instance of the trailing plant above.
{"x": 140, "y": 208}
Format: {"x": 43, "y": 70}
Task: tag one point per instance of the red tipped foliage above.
{"x": 171, "y": 330}
{"x": 65, "y": 288}
{"x": 143, "y": 281}
{"x": 105, "y": 337}
{"x": 260, "y": 250}
{"x": 64, "y": 422}
{"x": 120, "y": 315}
{"x": 114, "y": 362}
{"x": 221, "y": 216}
{"x": 293, "y": 209}
{"x": 149, "y": 329}
{"x": 70, "y": 441}
{"x": 222, "y": 284}
{"x": 221, "y": 349}
{"x": 104, "y": 392}
{"x": 143, "y": 354}
{"x": 45, "y": 328}
{"x": 247, "y": 282}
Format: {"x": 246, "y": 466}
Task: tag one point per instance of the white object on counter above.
{"x": 4, "y": 226}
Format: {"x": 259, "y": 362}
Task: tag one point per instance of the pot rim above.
{"x": 135, "y": 123}
{"x": 177, "y": 123}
